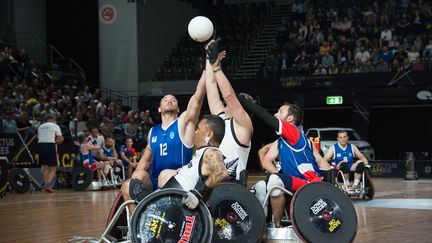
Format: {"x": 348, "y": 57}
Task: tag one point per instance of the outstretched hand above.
{"x": 220, "y": 57}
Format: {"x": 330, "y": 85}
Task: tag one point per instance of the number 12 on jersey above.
{"x": 163, "y": 149}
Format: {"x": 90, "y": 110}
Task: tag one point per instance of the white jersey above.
{"x": 236, "y": 154}
{"x": 188, "y": 175}
{"x": 47, "y": 132}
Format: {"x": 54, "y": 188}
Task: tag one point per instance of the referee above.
{"x": 49, "y": 135}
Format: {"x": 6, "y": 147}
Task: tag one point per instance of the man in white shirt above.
{"x": 49, "y": 135}
{"x": 363, "y": 55}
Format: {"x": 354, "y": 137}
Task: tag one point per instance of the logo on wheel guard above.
{"x": 188, "y": 229}
{"x": 239, "y": 210}
{"x": 334, "y": 224}
{"x": 318, "y": 206}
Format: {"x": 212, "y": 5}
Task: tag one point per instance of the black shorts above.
{"x": 47, "y": 154}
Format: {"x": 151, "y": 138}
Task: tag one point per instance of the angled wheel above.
{"x": 161, "y": 217}
{"x": 81, "y": 178}
{"x": 369, "y": 186}
{"x": 320, "y": 212}
{"x": 19, "y": 180}
{"x": 239, "y": 216}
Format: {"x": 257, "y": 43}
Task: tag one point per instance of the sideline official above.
{"x": 49, "y": 135}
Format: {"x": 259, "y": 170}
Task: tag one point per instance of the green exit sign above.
{"x": 334, "y": 100}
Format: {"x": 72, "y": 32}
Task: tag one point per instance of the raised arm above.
{"x": 260, "y": 113}
{"x": 189, "y": 118}
{"x": 241, "y": 117}
{"x": 215, "y": 104}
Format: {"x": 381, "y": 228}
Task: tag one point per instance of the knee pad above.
{"x": 260, "y": 191}
{"x": 344, "y": 168}
{"x": 360, "y": 168}
{"x": 138, "y": 190}
{"x": 273, "y": 181}
{"x": 329, "y": 175}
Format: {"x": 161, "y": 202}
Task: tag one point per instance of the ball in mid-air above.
{"x": 200, "y": 28}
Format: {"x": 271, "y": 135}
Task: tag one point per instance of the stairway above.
{"x": 264, "y": 42}
{"x": 47, "y": 55}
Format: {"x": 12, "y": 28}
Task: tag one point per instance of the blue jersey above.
{"x": 108, "y": 152}
{"x": 297, "y": 158}
{"x": 86, "y": 159}
{"x": 129, "y": 153}
{"x": 343, "y": 154}
{"x": 168, "y": 149}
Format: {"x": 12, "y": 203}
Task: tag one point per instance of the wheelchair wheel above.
{"x": 116, "y": 231}
{"x": 81, "y": 178}
{"x": 320, "y": 212}
{"x": 239, "y": 216}
{"x": 369, "y": 186}
{"x": 19, "y": 180}
{"x": 161, "y": 217}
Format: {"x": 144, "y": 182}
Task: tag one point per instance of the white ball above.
{"x": 200, "y": 28}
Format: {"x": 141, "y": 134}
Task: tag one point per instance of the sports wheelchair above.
{"x": 366, "y": 189}
{"x": 233, "y": 213}
{"x": 82, "y": 177}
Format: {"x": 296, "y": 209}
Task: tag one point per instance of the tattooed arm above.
{"x": 213, "y": 167}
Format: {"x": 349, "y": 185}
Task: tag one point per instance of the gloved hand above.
{"x": 191, "y": 199}
{"x": 212, "y": 50}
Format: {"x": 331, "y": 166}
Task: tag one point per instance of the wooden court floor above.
{"x": 400, "y": 212}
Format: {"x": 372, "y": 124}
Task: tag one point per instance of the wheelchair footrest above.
{"x": 285, "y": 234}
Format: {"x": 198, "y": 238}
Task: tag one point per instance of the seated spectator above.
{"x": 413, "y": 54}
{"x": 327, "y": 60}
{"x": 386, "y": 36}
{"x": 345, "y": 69}
{"x": 386, "y": 55}
{"x": 375, "y": 56}
{"x": 368, "y": 67}
{"x": 320, "y": 70}
{"x": 418, "y": 65}
{"x": 381, "y": 66}
{"x": 96, "y": 138}
{"x": 428, "y": 49}
{"x": 77, "y": 125}
{"x": 400, "y": 55}
{"x": 362, "y": 56}
{"x": 357, "y": 68}
{"x": 108, "y": 153}
{"x": 128, "y": 156}
{"x": 403, "y": 24}
{"x": 106, "y": 127}
{"x": 333, "y": 70}
{"x": 131, "y": 128}
{"x": 325, "y": 47}
{"x": 344, "y": 55}
{"x": 8, "y": 124}
{"x": 395, "y": 66}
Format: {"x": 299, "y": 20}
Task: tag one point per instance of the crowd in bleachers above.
{"x": 343, "y": 37}
{"x": 27, "y": 93}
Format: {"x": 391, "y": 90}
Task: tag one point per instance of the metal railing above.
{"x": 47, "y": 54}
